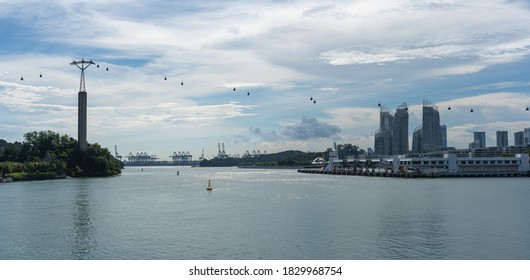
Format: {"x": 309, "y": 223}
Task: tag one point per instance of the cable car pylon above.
{"x": 82, "y": 104}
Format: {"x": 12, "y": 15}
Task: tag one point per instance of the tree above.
{"x": 47, "y": 154}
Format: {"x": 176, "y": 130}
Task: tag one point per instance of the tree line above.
{"x": 47, "y": 154}
{"x": 285, "y": 158}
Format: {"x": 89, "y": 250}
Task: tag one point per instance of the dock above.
{"x": 376, "y": 173}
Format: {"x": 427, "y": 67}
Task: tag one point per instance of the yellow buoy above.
{"x": 209, "y": 188}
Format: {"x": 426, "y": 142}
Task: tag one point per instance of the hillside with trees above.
{"x": 48, "y": 155}
{"x": 284, "y": 159}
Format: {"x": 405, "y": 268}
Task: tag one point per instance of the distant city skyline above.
{"x": 305, "y": 73}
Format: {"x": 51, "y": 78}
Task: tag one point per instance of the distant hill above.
{"x": 285, "y": 158}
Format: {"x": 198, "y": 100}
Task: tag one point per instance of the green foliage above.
{"x": 96, "y": 161}
{"x": 45, "y": 153}
{"x": 349, "y": 150}
{"x": 286, "y": 158}
{"x": 299, "y": 159}
{"x": 20, "y": 176}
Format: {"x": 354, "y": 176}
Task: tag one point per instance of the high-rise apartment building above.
{"x": 518, "y": 138}
{"x": 481, "y": 138}
{"x": 431, "y": 136}
{"x": 400, "y": 130}
{"x": 416, "y": 140}
{"x": 443, "y": 130}
{"x": 383, "y": 137}
{"x": 527, "y": 136}
{"x": 502, "y": 139}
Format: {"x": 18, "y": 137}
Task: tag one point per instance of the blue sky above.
{"x": 348, "y": 55}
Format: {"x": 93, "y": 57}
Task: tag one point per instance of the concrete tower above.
{"x": 82, "y": 105}
{"x": 81, "y": 120}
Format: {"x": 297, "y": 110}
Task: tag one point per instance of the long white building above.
{"x": 446, "y": 165}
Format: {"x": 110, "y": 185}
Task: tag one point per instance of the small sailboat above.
{"x": 209, "y": 188}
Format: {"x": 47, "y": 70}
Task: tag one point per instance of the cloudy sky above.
{"x": 347, "y": 55}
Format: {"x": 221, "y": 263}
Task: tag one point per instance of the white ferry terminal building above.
{"x": 455, "y": 163}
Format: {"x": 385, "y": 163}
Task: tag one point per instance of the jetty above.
{"x": 426, "y": 166}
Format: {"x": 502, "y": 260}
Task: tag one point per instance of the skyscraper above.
{"x": 518, "y": 138}
{"x": 481, "y": 138}
{"x": 416, "y": 140}
{"x": 527, "y": 136}
{"x": 502, "y": 139}
{"x": 383, "y": 137}
{"x": 400, "y": 130}
{"x": 443, "y": 129}
{"x": 431, "y": 136}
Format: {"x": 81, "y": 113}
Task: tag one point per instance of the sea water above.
{"x": 167, "y": 213}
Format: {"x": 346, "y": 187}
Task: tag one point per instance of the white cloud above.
{"x": 349, "y": 55}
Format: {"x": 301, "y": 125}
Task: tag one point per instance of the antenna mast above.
{"x": 82, "y": 65}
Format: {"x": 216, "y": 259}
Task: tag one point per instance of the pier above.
{"x": 427, "y": 166}
{"x": 378, "y": 173}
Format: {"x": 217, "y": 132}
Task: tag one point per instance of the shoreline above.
{"x": 410, "y": 175}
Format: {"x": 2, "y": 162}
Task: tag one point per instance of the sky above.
{"x": 348, "y": 56}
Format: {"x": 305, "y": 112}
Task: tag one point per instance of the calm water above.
{"x": 264, "y": 214}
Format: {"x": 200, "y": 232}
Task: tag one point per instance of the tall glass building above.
{"x": 431, "y": 133}
{"x": 518, "y": 138}
{"x": 443, "y": 129}
{"x": 502, "y": 139}
{"x": 416, "y": 140}
{"x": 383, "y": 137}
{"x": 481, "y": 138}
{"x": 400, "y": 130}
